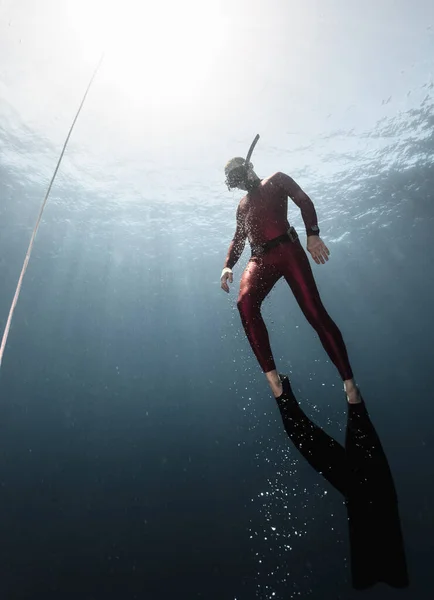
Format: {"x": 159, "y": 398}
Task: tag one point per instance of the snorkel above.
{"x": 252, "y": 147}
{"x": 238, "y": 174}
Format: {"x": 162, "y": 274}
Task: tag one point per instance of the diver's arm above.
{"x": 235, "y": 251}
{"x": 315, "y": 246}
{"x": 236, "y": 248}
{"x": 302, "y": 200}
{"x": 237, "y": 244}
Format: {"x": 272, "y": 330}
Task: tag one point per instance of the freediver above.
{"x": 261, "y": 218}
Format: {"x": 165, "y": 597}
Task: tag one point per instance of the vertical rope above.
{"x": 38, "y": 220}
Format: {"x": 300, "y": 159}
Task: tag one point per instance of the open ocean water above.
{"x": 142, "y": 455}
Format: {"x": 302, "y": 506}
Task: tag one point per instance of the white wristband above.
{"x": 225, "y": 270}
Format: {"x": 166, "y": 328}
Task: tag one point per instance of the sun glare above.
{"x": 167, "y": 46}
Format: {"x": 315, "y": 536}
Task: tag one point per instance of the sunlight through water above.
{"x": 162, "y": 53}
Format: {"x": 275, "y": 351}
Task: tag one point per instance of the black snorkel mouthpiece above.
{"x": 238, "y": 174}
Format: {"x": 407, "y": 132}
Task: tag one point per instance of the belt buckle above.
{"x": 292, "y": 234}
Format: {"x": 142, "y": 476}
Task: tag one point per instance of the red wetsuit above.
{"x": 261, "y": 217}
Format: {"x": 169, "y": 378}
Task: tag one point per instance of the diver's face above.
{"x": 240, "y": 178}
{"x": 242, "y": 186}
{"x": 250, "y": 177}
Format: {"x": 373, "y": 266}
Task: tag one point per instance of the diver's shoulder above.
{"x": 277, "y": 177}
{"x": 242, "y": 203}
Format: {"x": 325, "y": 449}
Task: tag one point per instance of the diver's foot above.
{"x": 286, "y": 393}
{"x": 277, "y": 389}
{"x": 274, "y": 382}
{"x": 352, "y": 392}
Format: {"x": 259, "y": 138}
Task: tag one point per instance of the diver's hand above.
{"x": 226, "y": 274}
{"x": 320, "y": 252}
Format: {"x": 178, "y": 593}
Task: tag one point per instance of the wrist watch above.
{"x": 314, "y": 230}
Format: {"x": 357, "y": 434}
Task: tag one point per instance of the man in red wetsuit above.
{"x": 277, "y": 252}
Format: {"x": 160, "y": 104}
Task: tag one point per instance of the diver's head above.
{"x": 240, "y": 174}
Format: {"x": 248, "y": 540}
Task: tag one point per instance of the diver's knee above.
{"x": 315, "y": 320}
{"x": 244, "y": 304}
{"x": 321, "y": 322}
{"x": 241, "y": 303}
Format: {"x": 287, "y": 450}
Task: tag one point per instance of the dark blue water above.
{"x": 142, "y": 454}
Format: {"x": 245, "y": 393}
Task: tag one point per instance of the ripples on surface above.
{"x": 154, "y": 210}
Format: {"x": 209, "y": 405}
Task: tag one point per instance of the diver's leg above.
{"x": 298, "y": 273}
{"x": 256, "y": 282}
{"x": 274, "y": 382}
{"x": 352, "y": 391}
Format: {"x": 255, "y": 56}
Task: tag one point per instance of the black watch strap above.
{"x": 314, "y": 230}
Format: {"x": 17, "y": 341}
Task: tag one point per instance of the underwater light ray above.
{"x": 38, "y": 220}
